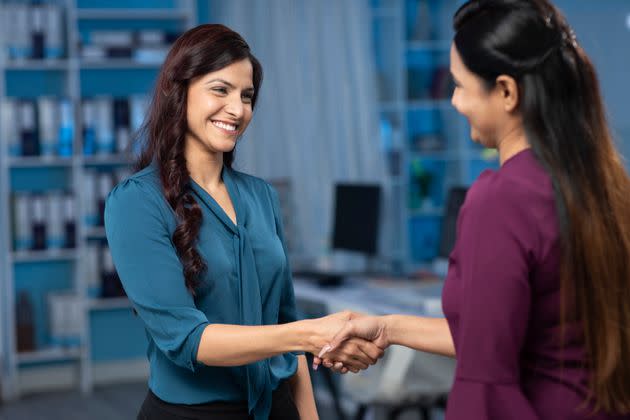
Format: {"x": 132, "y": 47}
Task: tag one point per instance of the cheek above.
{"x": 462, "y": 103}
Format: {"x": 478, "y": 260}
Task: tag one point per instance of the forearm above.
{"x": 302, "y": 389}
{"x": 237, "y": 345}
{"x": 431, "y": 335}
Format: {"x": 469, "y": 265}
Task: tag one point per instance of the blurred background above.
{"x": 354, "y": 128}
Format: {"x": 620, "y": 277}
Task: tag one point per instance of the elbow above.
{"x": 184, "y": 351}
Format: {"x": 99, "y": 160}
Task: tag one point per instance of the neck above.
{"x": 511, "y": 143}
{"x": 203, "y": 165}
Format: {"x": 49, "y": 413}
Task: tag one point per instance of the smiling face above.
{"x": 483, "y": 108}
{"x": 219, "y": 108}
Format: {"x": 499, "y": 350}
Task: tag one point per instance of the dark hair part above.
{"x": 199, "y": 51}
{"x": 565, "y": 123}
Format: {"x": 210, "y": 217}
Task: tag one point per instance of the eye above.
{"x": 220, "y": 90}
{"x": 247, "y": 98}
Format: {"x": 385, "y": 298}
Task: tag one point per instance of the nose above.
{"x": 454, "y": 101}
{"x": 234, "y": 106}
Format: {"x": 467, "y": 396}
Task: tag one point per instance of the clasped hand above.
{"x": 357, "y": 342}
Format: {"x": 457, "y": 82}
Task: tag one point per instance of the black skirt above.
{"x": 282, "y": 408}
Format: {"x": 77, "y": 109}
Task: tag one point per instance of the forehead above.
{"x": 457, "y": 66}
{"x": 239, "y": 73}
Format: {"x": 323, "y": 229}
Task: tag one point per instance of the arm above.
{"x": 152, "y": 276}
{"x": 431, "y": 335}
{"x": 235, "y": 345}
{"x": 303, "y": 391}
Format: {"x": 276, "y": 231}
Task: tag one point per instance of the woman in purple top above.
{"x": 537, "y": 297}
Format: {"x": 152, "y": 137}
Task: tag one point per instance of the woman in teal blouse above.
{"x": 199, "y": 249}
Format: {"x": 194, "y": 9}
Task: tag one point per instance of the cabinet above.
{"x": 74, "y": 75}
{"x": 427, "y": 143}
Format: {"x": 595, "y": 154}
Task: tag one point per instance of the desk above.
{"x": 404, "y": 376}
{"x": 376, "y": 296}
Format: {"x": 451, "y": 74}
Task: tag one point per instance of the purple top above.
{"x": 501, "y": 300}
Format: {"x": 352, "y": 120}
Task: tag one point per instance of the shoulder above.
{"x": 521, "y": 187}
{"x": 512, "y": 203}
{"x": 139, "y": 194}
{"x": 492, "y": 190}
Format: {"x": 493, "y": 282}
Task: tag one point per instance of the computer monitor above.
{"x": 454, "y": 201}
{"x": 357, "y": 216}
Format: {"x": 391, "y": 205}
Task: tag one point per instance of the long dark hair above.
{"x": 199, "y": 51}
{"x": 565, "y": 123}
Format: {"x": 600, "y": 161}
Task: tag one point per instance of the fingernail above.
{"x": 324, "y": 350}
{"x": 315, "y": 366}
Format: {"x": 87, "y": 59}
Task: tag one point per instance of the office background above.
{"x": 355, "y": 92}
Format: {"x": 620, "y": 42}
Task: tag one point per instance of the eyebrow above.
{"x": 230, "y": 85}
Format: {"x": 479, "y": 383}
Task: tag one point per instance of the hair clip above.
{"x": 569, "y": 37}
{"x": 548, "y": 20}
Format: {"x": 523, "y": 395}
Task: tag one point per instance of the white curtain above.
{"x": 317, "y": 118}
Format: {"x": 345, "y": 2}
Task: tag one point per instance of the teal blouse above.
{"x": 248, "y": 282}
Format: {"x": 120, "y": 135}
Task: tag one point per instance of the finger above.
{"x": 328, "y": 363}
{"x": 371, "y": 350}
{"x": 354, "y": 348}
{"x": 349, "y": 360}
{"x": 344, "y": 370}
{"x": 355, "y": 365}
{"x": 316, "y": 362}
{"x": 337, "y": 368}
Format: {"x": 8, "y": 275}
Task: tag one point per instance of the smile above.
{"x": 225, "y": 126}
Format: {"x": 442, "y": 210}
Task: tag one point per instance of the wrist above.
{"x": 389, "y": 330}
{"x": 305, "y": 336}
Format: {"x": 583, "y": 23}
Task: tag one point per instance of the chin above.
{"x": 223, "y": 146}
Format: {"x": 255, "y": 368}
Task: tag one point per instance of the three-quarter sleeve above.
{"x": 495, "y": 248}
{"x": 288, "y": 311}
{"x": 151, "y": 272}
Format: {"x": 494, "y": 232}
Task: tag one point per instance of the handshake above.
{"x": 348, "y": 341}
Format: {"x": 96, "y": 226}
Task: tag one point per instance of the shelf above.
{"x": 49, "y": 355}
{"x": 37, "y": 65}
{"x": 432, "y": 211}
{"x": 117, "y": 63}
{"x": 429, "y": 104}
{"x": 391, "y": 106}
{"x": 106, "y": 304}
{"x": 40, "y": 162}
{"x": 439, "y": 46}
{"x": 74, "y": 75}
{"x": 95, "y": 232}
{"x": 436, "y": 155}
{"x": 44, "y": 256}
{"x": 110, "y": 160}
{"x": 131, "y": 14}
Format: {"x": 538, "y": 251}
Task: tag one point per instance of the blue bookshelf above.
{"x": 86, "y": 88}
{"x": 420, "y": 129}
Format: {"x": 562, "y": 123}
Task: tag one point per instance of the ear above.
{"x": 508, "y": 91}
